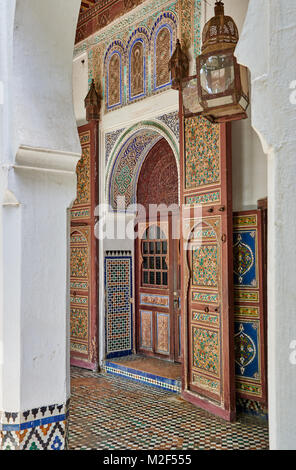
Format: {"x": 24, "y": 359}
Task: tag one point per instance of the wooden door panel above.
{"x": 162, "y": 336}
{"x": 206, "y": 263}
{"x": 250, "y": 305}
{"x": 205, "y": 304}
{"x": 154, "y": 290}
{"x": 146, "y": 331}
{"x": 83, "y": 255}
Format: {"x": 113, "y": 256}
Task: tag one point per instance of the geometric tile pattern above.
{"x": 113, "y": 413}
{"x": 172, "y": 121}
{"x": 125, "y": 168}
{"x": 118, "y": 285}
{"x": 44, "y": 428}
{"x": 110, "y": 140}
{"x": 143, "y": 377}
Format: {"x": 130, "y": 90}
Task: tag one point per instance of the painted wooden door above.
{"x": 249, "y": 255}
{"x": 207, "y": 279}
{"x": 177, "y": 300}
{"x": 83, "y": 255}
{"x": 156, "y": 294}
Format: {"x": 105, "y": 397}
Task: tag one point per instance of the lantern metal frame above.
{"x": 221, "y": 44}
{"x": 236, "y": 90}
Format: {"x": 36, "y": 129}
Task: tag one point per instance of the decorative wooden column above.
{"x": 84, "y": 245}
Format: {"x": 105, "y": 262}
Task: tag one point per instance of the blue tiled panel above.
{"x": 144, "y": 377}
{"x": 118, "y": 285}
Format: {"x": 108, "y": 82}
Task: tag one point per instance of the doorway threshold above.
{"x": 150, "y": 371}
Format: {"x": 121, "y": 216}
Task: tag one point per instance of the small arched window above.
{"x": 137, "y": 70}
{"x": 162, "y": 54}
{"x": 114, "y": 95}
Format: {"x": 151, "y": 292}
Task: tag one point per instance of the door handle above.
{"x": 176, "y": 303}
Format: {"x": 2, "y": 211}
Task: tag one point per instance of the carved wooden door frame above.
{"x": 83, "y": 290}
{"x": 152, "y": 300}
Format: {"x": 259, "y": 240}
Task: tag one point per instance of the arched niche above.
{"x": 127, "y": 158}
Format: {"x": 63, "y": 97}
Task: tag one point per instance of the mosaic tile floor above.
{"x": 109, "y": 412}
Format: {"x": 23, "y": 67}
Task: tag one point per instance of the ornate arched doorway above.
{"x": 157, "y": 257}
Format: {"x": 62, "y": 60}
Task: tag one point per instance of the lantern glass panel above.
{"x": 217, "y": 74}
{"x": 190, "y": 96}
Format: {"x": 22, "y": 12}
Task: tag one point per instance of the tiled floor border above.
{"x": 171, "y": 385}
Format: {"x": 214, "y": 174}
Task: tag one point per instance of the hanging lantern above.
{"x": 178, "y": 66}
{"x": 222, "y": 84}
{"x": 92, "y": 104}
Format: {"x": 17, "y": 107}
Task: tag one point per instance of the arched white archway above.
{"x": 39, "y": 151}
{"x": 271, "y": 26}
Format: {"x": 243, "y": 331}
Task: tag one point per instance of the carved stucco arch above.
{"x": 161, "y": 131}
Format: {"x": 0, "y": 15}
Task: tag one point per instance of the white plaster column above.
{"x": 39, "y": 150}
{"x": 266, "y": 47}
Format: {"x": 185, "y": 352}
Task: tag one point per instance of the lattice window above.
{"x": 154, "y": 254}
{"x": 162, "y": 53}
{"x": 114, "y": 80}
{"x": 137, "y": 72}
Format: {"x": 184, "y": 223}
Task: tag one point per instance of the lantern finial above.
{"x": 219, "y": 30}
{"x": 219, "y": 8}
{"x": 92, "y": 104}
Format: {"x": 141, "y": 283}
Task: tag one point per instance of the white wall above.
{"x": 271, "y": 26}
{"x": 80, "y": 87}
{"x": 249, "y": 165}
{"x": 39, "y": 150}
{"x": 42, "y": 80}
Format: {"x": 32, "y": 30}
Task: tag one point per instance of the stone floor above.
{"x": 109, "y": 412}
